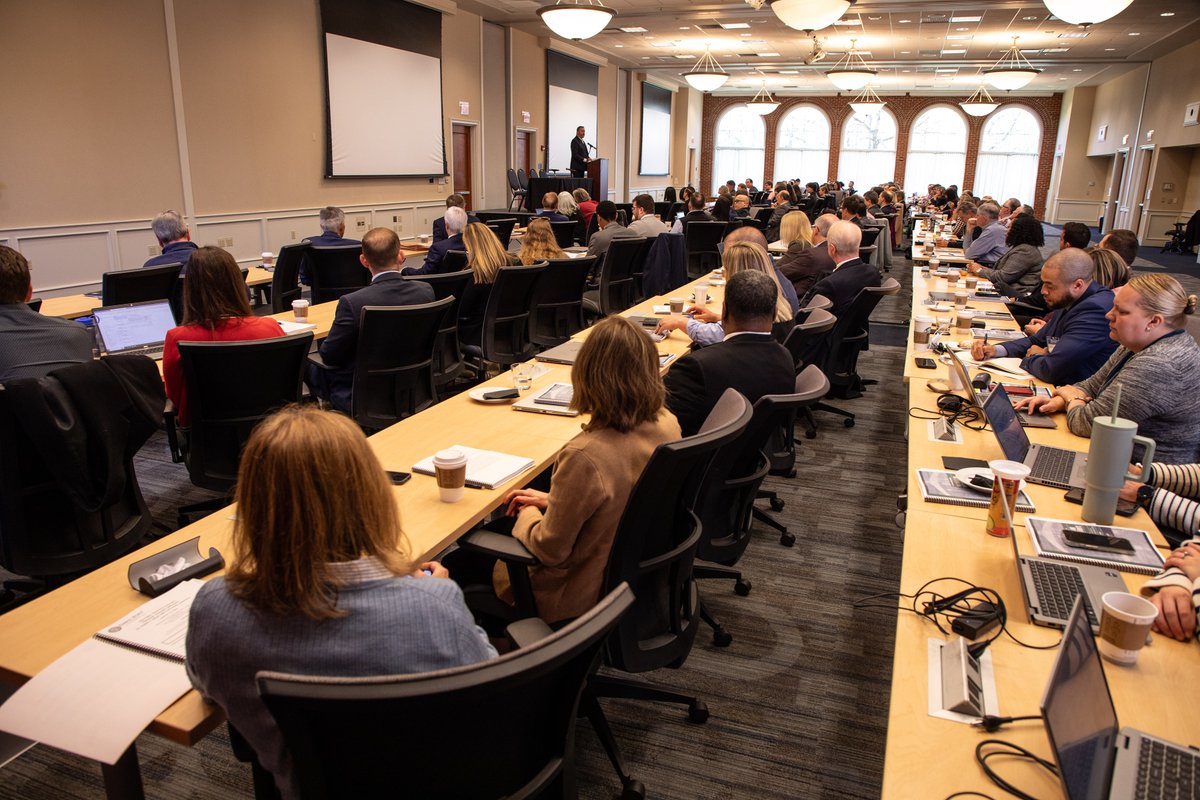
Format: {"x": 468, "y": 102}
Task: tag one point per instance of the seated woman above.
{"x": 586, "y": 205}
{"x": 1111, "y": 271}
{"x": 1020, "y": 269}
{"x": 319, "y": 582}
{"x": 795, "y": 233}
{"x": 215, "y": 309}
{"x": 568, "y": 208}
{"x": 571, "y": 528}
{"x": 485, "y": 257}
{"x": 703, "y": 326}
{"x": 1157, "y": 366}
{"x": 539, "y": 243}
{"x": 722, "y": 208}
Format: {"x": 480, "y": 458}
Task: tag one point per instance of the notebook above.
{"x": 134, "y": 329}
{"x": 1049, "y": 541}
{"x": 554, "y": 399}
{"x": 940, "y": 486}
{"x": 1095, "y": 758}
{"x": 486, "y": 469}
{"x": 1049, "y": 466}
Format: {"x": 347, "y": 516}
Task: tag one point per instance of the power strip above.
{"x": 962, "y": 681}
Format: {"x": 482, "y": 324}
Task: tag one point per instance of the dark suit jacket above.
{"x": 843, "y": 284}
{"x": 32, "y": 344}
{"x": 435, "y": 256}
{"x": 579, "y": 154}
{"x": 339, "y": 348}
{"x": 804, "y": 266}
{"x": 776, "y": 220}
{"x": 754, "y": 364}
{"x": 439, "y": 227}
{"x": 174, "y": 253}
{"x": 1080, "y": 336}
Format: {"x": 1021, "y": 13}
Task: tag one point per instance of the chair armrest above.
{"x": 315, "y": 359}
{"x": 525, "y": 632}
{"x": 170, "y": 415}
{"x": 506, "y": 548}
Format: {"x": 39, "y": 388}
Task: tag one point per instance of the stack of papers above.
{"x": 486, "y": 469}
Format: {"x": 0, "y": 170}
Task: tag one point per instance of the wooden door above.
{"x": 523, "y": 155}
{"x": 461, "y": 139}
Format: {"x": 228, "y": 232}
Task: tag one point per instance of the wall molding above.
{"x": 1085, "y": 210}
{"x": 1155, "y": 221}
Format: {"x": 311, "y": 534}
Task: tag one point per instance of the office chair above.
{"x": 35, "y": 304}
{"x": 231, "y": 387}
{"x": 434, "y": 733}
{"x": 816, "y": 302}
{"x": 335, "y": 271}
{"x": 564, "y": 232}
{"x": 506, "y": 319}
{"x": 285, "y": 280}
{"x": 558, "y": 301}
{"x": 503, "y": 229}
{"x": 454, "y": 261}
{"x": 517, "y": 193}
{"x": 447, "y": 360}
{"x": 754, "y": 222}
{"x": 700, "y": 239}
{"x": 139, "y": 285}
{"x": 393, "y": 363}
{"x": 617, "y": 288}
{"x": 867, "y": 246}
{"x": 805, "y": 342}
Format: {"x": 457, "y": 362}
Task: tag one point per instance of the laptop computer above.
{"x": 1049, "y": 466}
{"x": 565, "y": 353}
{"x": 1050, "y": 588}
{"x": 134, "y": 329}
{"x": 978, "y": 398}
{"x": 1096, "y": 759}
{"x": 554, "y": 399}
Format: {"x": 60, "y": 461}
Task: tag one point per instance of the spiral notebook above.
{"x": 940, "y": 486}
{"x": 1049, "y": 541}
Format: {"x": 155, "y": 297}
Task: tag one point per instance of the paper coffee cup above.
{"x": 424, "y": 237}
{"x": 960, "y": 299}
{"x": 450, "y": 468}
{"x": 701, "y": 293}
{"x": 972, "y": 282}
{"x": 1125, "y": 622}
{"x": 934, "y": 263}
{"x": 964, "y": 317}
{"x": 676, "y": 305}
{"x": 1009, "y": 475}
{"x": 268, "y": 258}
{"x": 300, "y": 310}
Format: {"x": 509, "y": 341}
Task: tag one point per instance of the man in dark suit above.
{"x": 32, "y": 345}
{"x": 439, "y": 224}
{"x": 804, "y": 266}
{"x": 748, "y": 359}
{"x": 783, "y": 204}
{"x": 850, "y": 274}
{"x": 579, "y": 153}
{"x": 456, "y": 223}
{"x": 175, "y": 240}
{"x": 854, "y": 209}
{"x": 333, "y": 234}
{"x": 383, "y": 257}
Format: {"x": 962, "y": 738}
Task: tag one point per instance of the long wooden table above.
{"x": 80, "y": 305}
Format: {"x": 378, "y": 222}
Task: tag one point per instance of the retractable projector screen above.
{"x": 383, "y": 89}
{"x": 655, "y": 158}
{"x": 571, "y": 90}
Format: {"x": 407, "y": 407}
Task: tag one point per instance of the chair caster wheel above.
{"x": 787, "y": 539}
{"x": 742, "y": 587}
{"x": 634, "y": 790}
{"x": 698, "y": 713}
{"x": 776, "y": 503}
{"x": 849, "y": 423}
{"x": 810, "y": 434}
{"x": 722, "y": 637}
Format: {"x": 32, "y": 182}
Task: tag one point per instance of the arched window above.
{"x": 802, "y": 152}
{"x": 738, "y": 153}
{"x": 937, "y": 150}
{"x": 868, "y": 149}
{"x": 1008, "y": 155}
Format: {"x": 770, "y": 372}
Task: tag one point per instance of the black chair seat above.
{"x": 335, "y": 271}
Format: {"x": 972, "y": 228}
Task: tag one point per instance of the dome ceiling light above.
{"x": 809, "y": 15}
{"x": 1086, "y": 12}
{"x": 763, "y": 103}
{"x": 851, "y": 72}
{"x": 867, "y": 102}
{"x": 707, "y": 75}
{"x": 572, "y": 19}
{"x": 979, "y": 104}
{"x": 1012, "y": 71}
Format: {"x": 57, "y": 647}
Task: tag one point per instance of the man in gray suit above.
{"x": 606, "y": 219}
{"x": 31, "y": 345}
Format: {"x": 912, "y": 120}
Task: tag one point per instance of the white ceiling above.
{"x": 916, "y": 46}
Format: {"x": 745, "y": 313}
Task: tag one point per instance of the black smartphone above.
{"x": 398, "y": 478}
{"x": 1087, "y": 540}
{"x": 926, "y": 363}
{"x": 1125, "y": 508}
{"x": 982, "y": 481}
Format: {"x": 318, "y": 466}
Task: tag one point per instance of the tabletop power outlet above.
{"x": 962, "y": 682}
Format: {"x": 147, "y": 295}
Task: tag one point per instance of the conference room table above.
{"x": 80, "y": 305}
{"x": 34, "y": 635}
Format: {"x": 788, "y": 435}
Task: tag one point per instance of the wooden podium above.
{"x": 597, "y": 172}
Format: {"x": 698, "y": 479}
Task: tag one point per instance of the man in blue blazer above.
{"x": 1074, "y": 342}
{"x": 439, "y": 224}
{"x": 456, "y": 223}
{"x": 383, "y": 257}
{"x": 850, "y": 275}
{"x": 333, "y": 234}
{"x": 174, "y": 238}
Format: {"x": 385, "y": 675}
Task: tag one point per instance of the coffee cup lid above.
{"x": 451, "y": 456}
{"x": 301, "y": 302}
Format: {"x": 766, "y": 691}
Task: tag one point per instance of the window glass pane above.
{"x": 875, "y": 131}
{"x": 1008, "y": 155}
{"x": 803, "y": 146}
{"x": 740, "y": 127}
{"x": 740, "y": 141}
{"x": 937, "y": 150}
{"x": 1011, "y": 130}
{"x": 868, "y": 149}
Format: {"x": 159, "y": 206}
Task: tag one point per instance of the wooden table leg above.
{"x": 123, "y": 780}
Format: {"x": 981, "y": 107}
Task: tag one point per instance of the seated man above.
{"x": 1074, "y": 343}
{"x": 783, "y": 204}
{"x": 989, "y": 243}
{"x": 549, "y": 209}
{"x": 850, "y": 275}
{"x": 606, "y": 219}
{"x": 333, "y": 234}
{"x": 854, "y": 210}
{"x": 741, "y": 205}
{"x": 381, "y": 254}
{"x": 175, "y": 240}
{"x": 804, "y": 266}
{"x": 31, "y": 344}
{"x": 696, "y": 213}
{"x": 439, "y": 224}
{"x": 1075, "y": 234}
{"x": 456, "y": 223}
{"x": 748, "y": 359}
{"x": 1123, "y": 242}
{"x": 645, "y": 221}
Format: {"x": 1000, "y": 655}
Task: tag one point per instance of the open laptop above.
{"x": 978, "y": 398}
{"x": 1096, "y": 759}
{"x": 1049, "y": 466}
{"x": 135, "y": 329}
{"x": 554, "y": 399}
{"x": 565, "y": 353}
{"x": 1050, "y": 588}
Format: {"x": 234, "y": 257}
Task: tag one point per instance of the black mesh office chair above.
{"x": 231, "y": 387}
{"x": 618, "y": 289}
{"x": 564, "y": 232}
{"x": 447, "y": 360}
{"x": 558, "y": 302}
{"x": 335, "y": 271}
{"x": 754, "y": 222}
{"x": 435, "y": 734}
{"x": 503, "y": 229}
{"x": 867, "y": 247}
{"x": 454, "y": 261}
{"x": 506, "y": 320}
{"x": 139, "y": 285}
{"x": 285, "y": 281}
{"x": 700, "y": 239}
{"x": 35, "y": 304}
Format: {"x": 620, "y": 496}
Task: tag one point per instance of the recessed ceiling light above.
{"x": 953, "y": 52}
{"x": 1167, "y": 14}
{"x": 1077, "y": 70}
{"x": 965, "y": 19}
{"x": 906, "y": 70}
{"x": 731, "y": 25}
{"x": 904, "y": 21}
{"x": 662, "y": 44}
{"x": 946, "y": 69}
{"x": 1030, "y": 19}
{"x": 1057, "y": 50}
{"x": 678, "y": 55}
{"x": 905, "y": 52}
{"x": 769, "y": 55}
{"x": 634, "y": 30}
{"x": 746, "y": 34}
{"x": 962, "y": 29}
{"x": 848, "y": 22}
{"x": 1074, "y": 35}
{"x": 1062, "y": 79}
{"x": 755, "y": 41}
{"x": 876, "y": 19}
{"x": 1135, "y": 33}
{"x": 618, "y": 45}
{"x": 685, "y": 27}
{"x": 789, "y": 72}
{"x": 959, "y": 38}
{"x": 1109, "y": 49}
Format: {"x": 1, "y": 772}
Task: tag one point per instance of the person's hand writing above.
{"x": 672, "y": 323}
{"x": 704, "y": 314}
{"x": 1186, "y": 559}
{"x": 1176, "y": 616}
{"x": 981, "y": 351}
{"x": 436, "y": 570}
{"x": 1040, "y": 405}
{"x": 519, "y": 498}
{"x": 1033, "y": 326}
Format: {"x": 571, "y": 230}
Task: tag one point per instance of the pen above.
{"x": 985, "y": 338}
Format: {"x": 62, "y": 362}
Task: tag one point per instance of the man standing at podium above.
{"x": 579, "y": 153}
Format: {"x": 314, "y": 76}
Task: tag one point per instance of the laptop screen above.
{"x": 1079, "y": 715}
{"x": 1003, "y": 419}
{"x": 956, "y": 365}
{"x": 130, "y": 327}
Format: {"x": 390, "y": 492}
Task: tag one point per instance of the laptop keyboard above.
{"x": 1053, "y": 464}
{"x": 1057, "y": 587}
{"x": 1166, "y": 772}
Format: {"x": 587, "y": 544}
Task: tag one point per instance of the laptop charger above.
{"x": 972, "y": 624}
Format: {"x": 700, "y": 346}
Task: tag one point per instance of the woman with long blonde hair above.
{"x": 795, "y": 231}
{"x": 539, "y": 243}
{"x": 485, "y": 257}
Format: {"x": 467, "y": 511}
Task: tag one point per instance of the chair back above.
{"x": 447, "y": 360}
{"x": 850, "y": 335}
{"x": 523, "y": 179}
{"x": 780, "y": 449}
{"x": 285, "y": 281}
{"x": 335, "y": 271}
{"x": 503, "y": 229}
{"x": 231, "y": 387}
{"x": 513, "y": 183}
{"x": 564, "y": 232}
{"x": 800, "y": 341}
{"x": 669, "y": 194}
{"x": 558, "y": 301}
{"x": 617, "y": 285}
{"x": 139, "y": 285}
{"x": 763, "y": 215}
{"x": 592, "y": 226}
{"x": 393, "y": 365}
{"x": 345, "y": 734}
{"x": 455, "y": 261}
{"x": 506, "y": 320}
{"x": 754, "y": 222}
{"x": 35, "y": 304}
{"x": 700, "y": 239}
{"x": 655, "y": 546}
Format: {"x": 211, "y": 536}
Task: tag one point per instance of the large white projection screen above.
{"x": 571, "y": 91}
{"x": 656, "y": 131}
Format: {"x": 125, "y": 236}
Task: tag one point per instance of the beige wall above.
{"x": 529, "y": 86}
{"x": 1082, "y": 176}
{"x": 1118, "y": 103}
{"x": 1174, "y": 83}
{"x": 1191, "y": 197}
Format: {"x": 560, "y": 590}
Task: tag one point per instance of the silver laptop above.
{"x": 1026, "y": 419}
{"x": 554, "y": 399}
{"x": 1049, "y": 466}
{"x": 134, "y": 329}
{"x": 1096, "y": 759}
{"x": 565, "y": 353}
{"x": 1050, "y": 588}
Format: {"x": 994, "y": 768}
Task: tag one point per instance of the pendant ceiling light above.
{"x": 851, "y": 73}
{"x": 867, "y": 102}
{"x": 979, "y": 104}
{"x": 809, "y": 15}
{"x": 1086, "y": 12}
{"x": 575, "y": 20}
{"x": 1012, "y": 71}
{"x": 707, "y": 75}
{"x": 763, "y": 103}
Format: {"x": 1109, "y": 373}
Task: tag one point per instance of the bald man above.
{"x": 1074, "y": 342}
{"x": 850, "y": 275}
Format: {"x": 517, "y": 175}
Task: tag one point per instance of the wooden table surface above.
{"x": 80, "y": 305}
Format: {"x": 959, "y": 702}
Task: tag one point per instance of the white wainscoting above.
{"x": 1156, "y": 222}
{"x": 1085, "y": 211}
{"x": 654, "y": 191}
{"x": 69, "y": 259}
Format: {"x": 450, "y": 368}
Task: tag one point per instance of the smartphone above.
{"x": 399, "y": 478}
{"x": 1096, "y": 541}
{"x": 1125, "y": 508}
{"x": 926, "y": 363}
